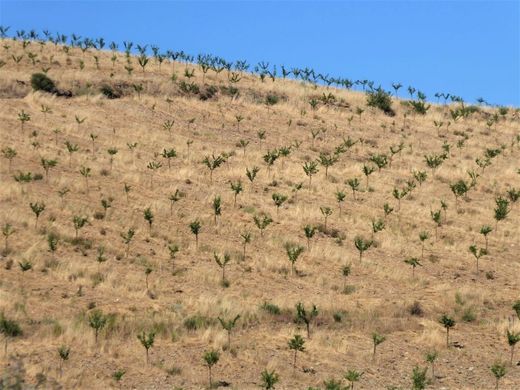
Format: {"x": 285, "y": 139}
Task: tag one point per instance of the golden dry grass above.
{"x": 53, "y": 300}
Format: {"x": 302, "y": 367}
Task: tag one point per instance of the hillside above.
{"x": 118, "y": 143}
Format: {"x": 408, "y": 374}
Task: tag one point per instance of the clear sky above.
{"x": 468, "y": 48}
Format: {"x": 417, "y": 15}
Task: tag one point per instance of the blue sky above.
{"x": 468, "y": 48}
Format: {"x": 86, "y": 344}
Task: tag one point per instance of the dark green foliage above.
{"x": 41, "y": 82}
{"x": 381, "y": 99}
{"x": 110, "y": 92}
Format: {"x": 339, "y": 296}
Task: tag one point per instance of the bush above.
{"x": 379, "y": 98}
{"x": 41, "y": 82}
{"x": 419, "y": 106}
{"x": 416, "y": 310}
{"x": 197, "y": 322}
{"x": 110, "y": 92}
{"x": 271, "y": 308}
{"x": 208, "y": 92}
{"x": 271, "y": 100}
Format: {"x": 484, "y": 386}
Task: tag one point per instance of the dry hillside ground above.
{"x": 53, "y": 300}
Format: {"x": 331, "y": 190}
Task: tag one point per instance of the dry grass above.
{"x": 52, "y": 301}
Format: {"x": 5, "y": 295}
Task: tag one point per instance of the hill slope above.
{"x": 181, "y": 299}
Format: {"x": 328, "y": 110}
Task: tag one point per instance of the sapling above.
{"x": 459, "y": 189}
{"x": 78, "y": 222}
{"x": 167, "y": 125}
{"x": 448, "y": 322}
{"x": 270, "y": 158}
{"x": 169, "y": 154}
{"x": 10, "y": 329}
{"x": 147, "y": 340}
{"x": 118, "y": 376}
{"x": 246, "y": 239}
{"x": 97, "y": 321}
{"x": 269, "y": 379}
{"x": 85, "y": 172}
{"x": 112, "y": 152}
{"x": 262, "y": 222}
{"x": 25, "y": 266}
{"x": 419, "y": 378}
{"x": 436, "y": 217}
{"x": 380, "y": 160}
{"x": 387, "y": 209}
{"x": 516, "y": 308}
{"x": 217, "y": 207}
{"x": 174, "y": 198}
{"x": 47, "y": 164}
{"x": 354, "y": 186}
{"x": 420, "y": 176}
{"x": 243, "y": 144}
{"x": 353, "y": 376}
{"x": 340, "y": 198}
{"x": 127, "y": 237}
{"x": 23, "y": 117}
{"x": 228, "y": 325}
{"x": 499, "y": 371}
{"x": 61, "y": 193}
{"x": 149, "y": 217}
{"x": 283, "y": 153}
{"x": 423, "y": 236}
{"x": 327, "y": 161}
{"x": 251, "y": 174}
{"x": 71, "y": 148}
{"x": 9, "y": 153}
{"x": 378, "y": 225}
{"x": 431, "y": 357}
{"x": 195, "y": 228}
{"x": 512, "y": 339}
{"x": 279, "y": 200}
{"x": 413, "y": 262}
{"x": 305, "y": 316}
{"x": 310, "y": 169}
{"x": 213, "y": 162}
{"x": 326, "y": 212}
{"x": 309, "y": 231}
{"x": 79, "y": 120}
{"x": 237, "y": 188}
{"x": 7, "y": 231}
{"x": 293, "y": 252}
{"x": 222, "y": 261}
{"x": 297, "y": 344}
{"x": 501, "y": 210}
{"x": 37, "y": 208}
{"x": 377, "y": 339}
{"x": 64, "y": 353}
{"x": 52, "y": 242}
{"x": 399, "y": 195}
{"x": 153, "y": 166}
{"x": 100, "y": 256}
{"x": 367, "y": 171}
{"x": 211, "y": 358}
{"x": 477, "y": 253}
{"x": 362, "y": 245}
{"x": 433, "y": 162}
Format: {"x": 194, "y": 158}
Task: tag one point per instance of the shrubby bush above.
{"x": 41, "y": 82}
{"x": 379, "y": 98}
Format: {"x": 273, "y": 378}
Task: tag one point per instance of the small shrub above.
{"x": 416, "y": 310}
{"x": 41, "y": 82}
{"x": 379, "y": 98}
{"x": 110, "y": 92}
{"x": 196, "y": 322}
{"x": 208, "y": 93}
{"x": 271, "y": 308}
{"x": 349, "y": 289}
{"x": 469, "y": 315}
